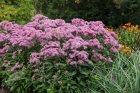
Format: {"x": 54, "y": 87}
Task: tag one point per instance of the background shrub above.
{"x": 111, "y": 12}
{"x": 19, "y": 11}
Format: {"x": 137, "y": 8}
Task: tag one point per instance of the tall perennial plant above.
{"x": 52, "y": 56}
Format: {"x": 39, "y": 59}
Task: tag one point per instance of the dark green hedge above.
{"x": 111, "y": 12}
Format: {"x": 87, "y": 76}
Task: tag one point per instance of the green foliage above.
{"x": 19, "y": 11}
{"x": 51, "y": 77}
{"x": 124, "y": 77}
{"x": 111, "y": 12}
{"x": 130, "y": 39}
{"x": 68, "y": 9}
{"x": 129, "y": 11}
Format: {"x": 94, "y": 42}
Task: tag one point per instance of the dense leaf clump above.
{"x": 19, "y": 11}
{"x": 111, "y": 12}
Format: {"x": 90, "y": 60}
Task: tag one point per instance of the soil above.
{"x": 4, "y": 91}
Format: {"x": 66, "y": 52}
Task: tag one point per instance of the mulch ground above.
{"x": 4, "y": 91}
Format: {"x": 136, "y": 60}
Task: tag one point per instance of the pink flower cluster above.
{"x": 15, "y": 67}
{"x": 78, "y": 42}
{"x": 4, "y": 50}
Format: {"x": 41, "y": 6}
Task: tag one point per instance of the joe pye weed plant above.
{"x": 52, "y": 56}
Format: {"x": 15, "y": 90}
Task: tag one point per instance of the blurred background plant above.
{"x": 111, "y": 12}
{"x": 19, "y": 11}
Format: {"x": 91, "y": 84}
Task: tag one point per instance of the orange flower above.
{"x": 110, "y": 29}
{"x": 131, "y": 28}
{"x": 124, "y": 27}
{"x": 128, "y": 24}
{"x": 125, "y": 49}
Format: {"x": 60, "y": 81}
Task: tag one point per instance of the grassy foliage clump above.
{"x": 124, "y": 77}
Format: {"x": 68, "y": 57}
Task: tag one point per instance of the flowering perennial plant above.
{"x": 131, "y": 28}
{"x": 44, "y": 41}
{"x": 129, "y": 35}
{"x": 57, "y": 38}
